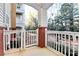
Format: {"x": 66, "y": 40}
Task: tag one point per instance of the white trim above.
{"x": 69, "y": 46}
{"x": 74, "y": 39}
{"x": 46, "y": 37}
{"x": 78, "y": 46}
{"x": 65, "y": 44}
{"x": 37, "y": 36}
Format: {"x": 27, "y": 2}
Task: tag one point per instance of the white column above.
{"x": 42, "y": 17}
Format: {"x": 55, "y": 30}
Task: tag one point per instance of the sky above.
{"x": 54, "y": 9}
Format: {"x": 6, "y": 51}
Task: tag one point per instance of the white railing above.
{"x": 31, "y": 37}
{"x": 64, "y": 42}
{"x": 19, "y": 39}
{"x": 12, "y": 39}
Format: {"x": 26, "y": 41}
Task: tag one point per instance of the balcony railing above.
{"x": 19, "y": 39}
{"x": 66, "y": 43}
{"x": 31, "y": 37}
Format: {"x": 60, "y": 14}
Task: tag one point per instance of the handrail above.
{"x": 65, "y": 42}
{"x": 63, "y": 32}
{"x": 14, "y": 39}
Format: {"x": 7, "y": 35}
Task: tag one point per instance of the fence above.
{"x": 31, "y": 37}
{"x": 19, "y": 39}
{"x": 64, "y": 42}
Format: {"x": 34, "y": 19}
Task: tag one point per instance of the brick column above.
{"x": 41, "y": 37}
{"x": 1, "y": 42}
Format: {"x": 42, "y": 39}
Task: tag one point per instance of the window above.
{"x": 18, "y": 5}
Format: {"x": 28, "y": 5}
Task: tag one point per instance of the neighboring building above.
{"x": 5, "y": 18}
{"x": 19, "y": 16}
{"x": 5, "y": 15}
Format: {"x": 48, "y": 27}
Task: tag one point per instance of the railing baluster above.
{"x": 65, "y": 44}
{"x": 62, "y": 44}
{"x": 16, "y": 39}
{"x": 53, "y": 40}
{"x": 37, "y": 36}
{"x": 34, "y": 37}
{"x": 69, "y": 45}
{"x": 13, "y": 40}
{"x": 78, "y": 45}
{"x": 56, "y": 41}
{"x": 9, "y": 40}
{"x": 27, "y": 38}
{"x": 74, "y": 38}
{"x": 31, "y": 37}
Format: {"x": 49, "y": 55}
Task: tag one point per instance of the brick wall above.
{"x": 41, "y": 37}
{"x": 1, "y": 42}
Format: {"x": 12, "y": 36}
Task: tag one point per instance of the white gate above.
{"x": 31, "y": 38}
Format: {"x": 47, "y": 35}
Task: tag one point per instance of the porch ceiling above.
{"x": 39, "y": 5}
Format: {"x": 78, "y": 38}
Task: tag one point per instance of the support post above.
{"x": 42, "y": 16}
{"x": 41, "y": 36}
{"x": 1, "y": 42}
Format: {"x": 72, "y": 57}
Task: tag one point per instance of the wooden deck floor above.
{"x": 31, "y": 51}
